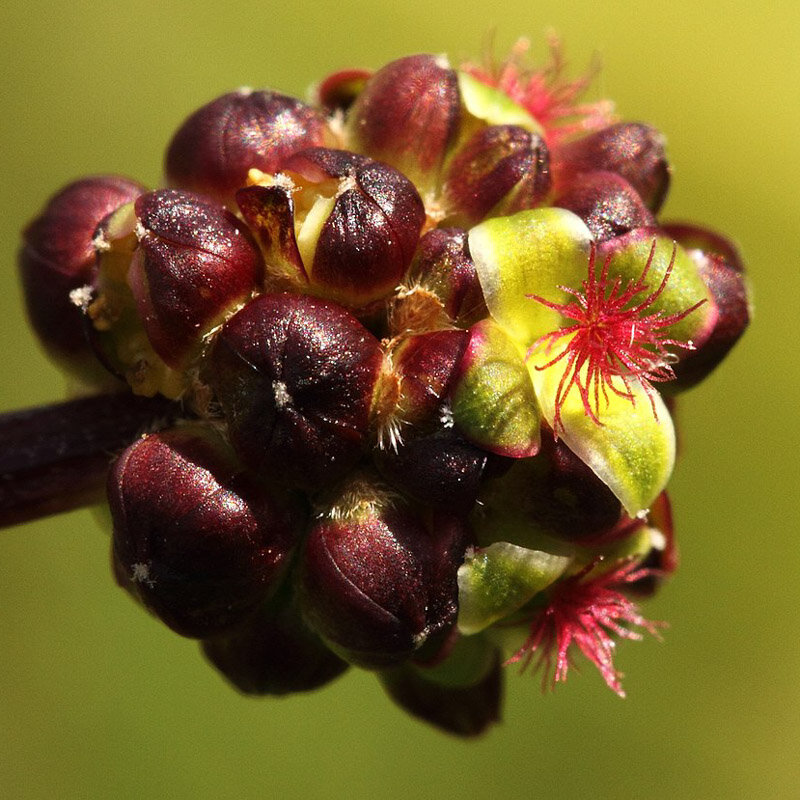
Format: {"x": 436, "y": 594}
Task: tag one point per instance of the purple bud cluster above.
{"x": 303, "y": 287}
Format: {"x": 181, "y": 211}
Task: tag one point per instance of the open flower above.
{"x": 613, "y": 327}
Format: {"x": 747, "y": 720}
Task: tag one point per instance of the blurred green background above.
{"x": 98, "y": 700}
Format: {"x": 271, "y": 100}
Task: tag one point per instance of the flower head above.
{"x": 318, "y": 279}
{"x": 614, "y": 340}
{"x": 587, "y": 613}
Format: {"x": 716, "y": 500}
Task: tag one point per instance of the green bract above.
{"x": 492, "y": 106}
{"x": 632, "y": 450}
{"x": 494, "y": 404}
{"x": 683, "y": 288}
{"x": 530, "y": 253}
{"x": 496, "y": 581}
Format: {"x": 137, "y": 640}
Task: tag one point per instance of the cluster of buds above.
{"x": 418, "y": 341}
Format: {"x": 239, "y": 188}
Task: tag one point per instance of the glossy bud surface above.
{"x": 194, "y": 264}
{"x": 195, "y": 538}
{"x": 633, "y": 151}
{"x": 607, "y": 203}
{"x": 58, "y": 256}
{"x": 443, "y": 266}
{"x": 501, "y": 169}
{"x": 295, "y": 377}
{"x": 376, "y": 584}
{"x": 408, "y": 115}
{"x": 217, "y": 146}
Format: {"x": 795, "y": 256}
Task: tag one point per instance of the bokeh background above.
{"x": 97, "y": 700}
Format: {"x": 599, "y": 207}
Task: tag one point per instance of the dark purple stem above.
{"x": 54, "y": 458}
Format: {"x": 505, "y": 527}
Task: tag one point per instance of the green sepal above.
{"x": 533, "y": 252}
{"x": 683, "y": 289}
{"x": 632, "y": 450}
{"x": 496, "y": 581}
{"x": 634, "y": 547}
{"x": 493, "y": 401}
{"x": 492, "y": 106}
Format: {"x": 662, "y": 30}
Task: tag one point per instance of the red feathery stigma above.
{"x": 546, "y": 93}
{"x": 587, "y": 613}
{"x": 612, "y": 338}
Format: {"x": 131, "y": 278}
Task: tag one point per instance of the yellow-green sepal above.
{"x": 531, "y": 253}
{"x": 634, "y": 547}
{"x": 683, "y": 289}
{"x": 493, "y": 400}
{"x": 498, "y": 580}
{"x": 632, "y": 449}
{"x": 492, "y": 106}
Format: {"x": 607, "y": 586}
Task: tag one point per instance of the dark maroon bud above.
{"x": 113, "y": 327}
{"x": 375, "y": 580}
{"x": 720, "y": 266}
{"x": 502, "y": 169}
{"x": 633, "y": 151}
{"x": 555, "y": 493}
{"x": 362, "y": 224}
{"x": 172, "y": 267}
{"x": 335, "y": 224}
{"x": 58, "y": 257}
{"x": 439, "y": 469}
{"x": 420, "y": 370}
{"x": 216, "y": 147}
{"x": 199, "y": 541}
{"x": 568, "y": 499}
{"x": 273, "y": 652}
{"x": 443, "y": 266}
{"x": 339, "y": 91}
{"x": 194, "y": 265}
{"x": 296, "y": 378}
{"x": 461, "y": 696}
{"x": 408, "y": 116}
{"x": 607, "y": 203}
{"x": 426, "y": 364}
{"x": 695, "y": 237}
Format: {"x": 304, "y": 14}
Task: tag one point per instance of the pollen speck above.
{"x": 140, "y": 573}
{"x": 281, "y": 394}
